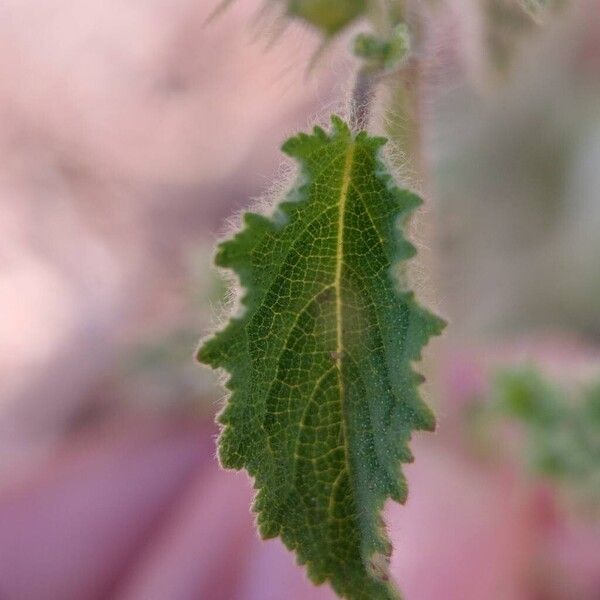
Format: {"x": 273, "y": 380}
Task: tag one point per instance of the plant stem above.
{"x": 362, "y": 98}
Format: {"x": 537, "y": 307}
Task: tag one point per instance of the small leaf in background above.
{"x": 508, "y": 22}
{"x": 323, "y": 394}
{"x": 525, "y": 396}
{"x": 561, "y": 429}
{"x": 383, "y": 53}
{"x": 330, "y": 16}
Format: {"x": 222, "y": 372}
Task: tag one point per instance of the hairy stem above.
{"x": 362, "y": 98}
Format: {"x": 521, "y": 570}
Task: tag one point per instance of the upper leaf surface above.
{"x": 323, "y": 396}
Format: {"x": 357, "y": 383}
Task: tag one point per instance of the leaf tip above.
{"x": 340, "y": 127}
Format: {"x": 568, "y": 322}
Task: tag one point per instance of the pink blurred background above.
{"x": 129, "y": 133}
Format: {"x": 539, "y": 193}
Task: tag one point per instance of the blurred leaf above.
{"x": 561, "y": 430}
{"x": 383, "y": 53}
{"x": 526, "y": 396}
{"x": 324, "y": 398}
{"x": 508, "y": 22}
{"x": 330, "y": 16}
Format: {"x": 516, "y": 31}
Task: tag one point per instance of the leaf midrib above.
{"x": 339, "y": 262}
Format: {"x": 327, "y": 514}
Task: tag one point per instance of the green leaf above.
{"x": 331, "y": 16}
{"x": 323, "y": 395}
{"x": 383, "y": 52}
{"x": 560, "y": 427}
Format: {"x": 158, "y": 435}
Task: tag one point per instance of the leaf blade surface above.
{"x": 323, "y": 394}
